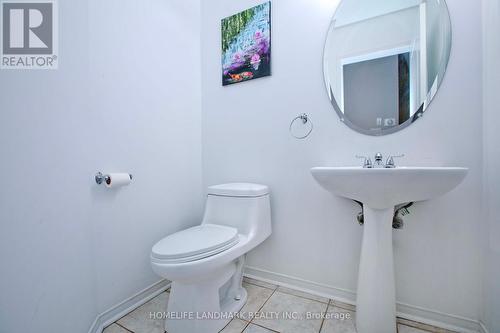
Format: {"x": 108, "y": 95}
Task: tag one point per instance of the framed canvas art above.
{"x": 246, "y": 45}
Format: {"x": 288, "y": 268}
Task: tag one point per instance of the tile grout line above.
{"x": 258, "y": 285}
{"x": 427, "y": 328}
{"x": 323, "y": 321}
{"x": 418, "y": 328}
{"x": 283, "y": 292}
{"x": 251, "y": 321}
{"x": 269, "y": 329}
{"x": 303, "y": 297}
{"x": 289, "y": 293}
{"x": 332, "y": 303}
{"x": 247, "y": 323}
{"x": 263, "y": 304}
{"x": 126, "y": 329}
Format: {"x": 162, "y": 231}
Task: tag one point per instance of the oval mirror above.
{"x": 385, "y": 60}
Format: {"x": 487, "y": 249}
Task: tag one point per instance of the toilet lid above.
{"x": 239, "y": 190}
{"x": 196, "y": 243}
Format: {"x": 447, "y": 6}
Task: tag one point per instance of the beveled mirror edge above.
{"x": 444, "y": 63}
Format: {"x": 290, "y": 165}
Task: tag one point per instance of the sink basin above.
{"x": 380, "y": 190}
{"x": 384, "y": 188}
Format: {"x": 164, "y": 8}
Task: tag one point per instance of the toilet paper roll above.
{"x": 118, "y": 180}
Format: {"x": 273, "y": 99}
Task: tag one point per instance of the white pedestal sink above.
{"x": 380, "y": 190}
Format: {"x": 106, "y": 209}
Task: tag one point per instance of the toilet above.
{"x": 205, "y": 262}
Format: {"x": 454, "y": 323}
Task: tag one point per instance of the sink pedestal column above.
{"x": 376, "y": 295}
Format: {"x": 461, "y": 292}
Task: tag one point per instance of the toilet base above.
{"x": 207, "y": 321}
{"x": 207, "y": 305}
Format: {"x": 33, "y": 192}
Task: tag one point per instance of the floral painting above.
{"x": 246, "y": 45}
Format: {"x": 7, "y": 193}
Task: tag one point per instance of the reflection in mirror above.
{"x": 385, "y": 60}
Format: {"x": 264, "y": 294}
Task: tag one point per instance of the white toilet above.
{"x": 205, "y": 263}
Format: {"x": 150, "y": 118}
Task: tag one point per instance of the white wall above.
{"x": 145, "y": 78}
{"x": 315, "y": 236}
{"x": 359, "y": 10}
{"x": 491, "y": 230}
{"x": 122, "y": 100}
{"x": 47, "y": 280}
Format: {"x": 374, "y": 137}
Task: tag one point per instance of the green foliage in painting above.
{"x": 233, "y": 25}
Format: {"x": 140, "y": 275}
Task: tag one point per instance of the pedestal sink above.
{"x": 380, "y": 190}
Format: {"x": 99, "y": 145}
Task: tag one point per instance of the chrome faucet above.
{"x": 390, "y": 161}
{"x": 379, "y": 161}
{"x": 367, "y": 162}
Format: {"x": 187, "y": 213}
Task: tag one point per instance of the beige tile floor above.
{"x": 330, "y": 316}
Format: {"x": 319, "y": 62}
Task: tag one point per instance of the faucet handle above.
{"x": 390, "y": 161}
{"x": 367, "y": 162}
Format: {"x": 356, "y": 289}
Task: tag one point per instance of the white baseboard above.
{"x": 406, "y": 311}
{"x": 313, "y": 288}
{"x": 439, "y": 319}
{"x": 116, "y": 312}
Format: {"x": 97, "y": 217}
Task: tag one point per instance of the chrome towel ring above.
{"x": 301, "y": 126}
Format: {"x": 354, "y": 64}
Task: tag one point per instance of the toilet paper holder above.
{"x": 100, "y": 178}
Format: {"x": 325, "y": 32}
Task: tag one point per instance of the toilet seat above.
{"x": 195, "y": 243}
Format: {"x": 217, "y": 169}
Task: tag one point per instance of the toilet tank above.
{"x": 243, "y": 206}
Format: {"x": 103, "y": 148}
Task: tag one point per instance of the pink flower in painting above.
{"x": 264, "y": 46}
{"x": 258, "y": 35}
{"x": 255, "y": 61}
{"x": 237, "y": 57}
{"x": 238, "y": 61}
